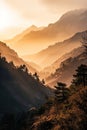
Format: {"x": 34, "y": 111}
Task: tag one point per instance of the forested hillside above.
{"x": 20, "y": 90}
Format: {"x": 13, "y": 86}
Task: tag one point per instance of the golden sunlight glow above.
{"x": 10, "y": 22}
{"x": 5, "y": 17}
{"x": 20, "y": 14}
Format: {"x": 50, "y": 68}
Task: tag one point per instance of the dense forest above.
{"x": 65, "y": 110}
{"x": 19, "y": 89}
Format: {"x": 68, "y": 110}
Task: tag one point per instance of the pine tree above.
{"x": 23, "y": 68}
{"x": 43, "y": 81}
{"x": 80, "y": 78}
{"x": 61, "y": 92}
{"x": 36, "y": 76}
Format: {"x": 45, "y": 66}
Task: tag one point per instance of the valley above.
{"x": 43, "y": 75}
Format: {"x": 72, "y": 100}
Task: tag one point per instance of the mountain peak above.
{"x": 38, "y": 39}
{"x": 73, "y": 13}
{"x": 33, "y": 26}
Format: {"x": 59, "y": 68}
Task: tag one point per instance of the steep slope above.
{"x": 19, "y": 90}
{"x": 65, "y": 27}
{"x": 70, "y": 115}
{"x": 37, "y": 67}
{"x": 51, "y": 69}
{"x": 66, "y": 70}
{"x": 11, "y": 55}
{"x": 48, "y": 56}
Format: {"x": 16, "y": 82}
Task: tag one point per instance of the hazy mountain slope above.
{"x": 66, "y": 70}
{"x": 48, "y": 56}
{"x": 65, "y": 27}
{"x": 19, "y": 90}
{"x": 11, "y": 55}
{"x": 25, "y": 32}
{"x": 74, "y": 53}
{"x": 36, "y": 66}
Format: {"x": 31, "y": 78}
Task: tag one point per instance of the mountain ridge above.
{"x": 25, "y": 32}
{"x": 54, "y": 52}
{"x": 55, "y": 32}
{"x": 67, "y": 69}
{"x": 11, "y": 55}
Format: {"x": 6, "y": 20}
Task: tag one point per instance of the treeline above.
{"x": 79, "y": 79}
{"x": 19, "y": 91}
{"x": 22, "y": 69}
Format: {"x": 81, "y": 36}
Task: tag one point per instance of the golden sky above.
{"x": 16, "y": 15}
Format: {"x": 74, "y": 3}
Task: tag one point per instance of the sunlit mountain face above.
{"x": 33, "y": 41}
{"x": 18, "y": 16}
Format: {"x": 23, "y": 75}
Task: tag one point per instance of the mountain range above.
{"x": 51, "y": 59}
{"x": 67, "y": 68}
{"x": 54, "y": 52}
{"x": 25, "y": 32}
{"x": 34, "y": 41}
{"x": 45, "y": 90}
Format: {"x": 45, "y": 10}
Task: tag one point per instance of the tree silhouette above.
{"x": 61, "y": 92}
{"x": 23, "y": 68}
{"x": 0, "y": 55}
{"x": 36, "y": 76}
{"x": 43, "y": 81}
{"x": 84, "y": 42}
{"x": 80, "y": 78}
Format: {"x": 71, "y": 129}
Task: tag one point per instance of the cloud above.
{"x": 35, "y": 8}
{"x": 27, "y": 8}
{"x": 66, "y": 2}
{"x": 31, "y": 12}
{"x": 42, "y": 12}
{"x": 64, "y": 5}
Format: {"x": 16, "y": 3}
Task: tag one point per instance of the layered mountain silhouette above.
{"x": 51, "y": 69}
{"x": 11, "y": 55}
{"x": 46, "y": 89}
{"x": 25, "y": 32}
{"x": 70, "y": 23}
{"x": 54, "y": 53}
{"x": 67, "y": 68}
{"x": 19, "y": 90}
{"x": 36, "y": 66}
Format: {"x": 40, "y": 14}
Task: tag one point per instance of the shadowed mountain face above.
{"x": 67, "y": 68}
{"x": 53, "y": 53}
{"x": 66, "y": 26}
{"x": 19, "y": 90}
{"x": 11, "y": 55}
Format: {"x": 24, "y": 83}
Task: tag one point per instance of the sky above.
{"x": 16, "y": 15}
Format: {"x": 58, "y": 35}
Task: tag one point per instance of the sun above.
{"x": 4, "y": 22}
{"x": 6, "y": 17}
